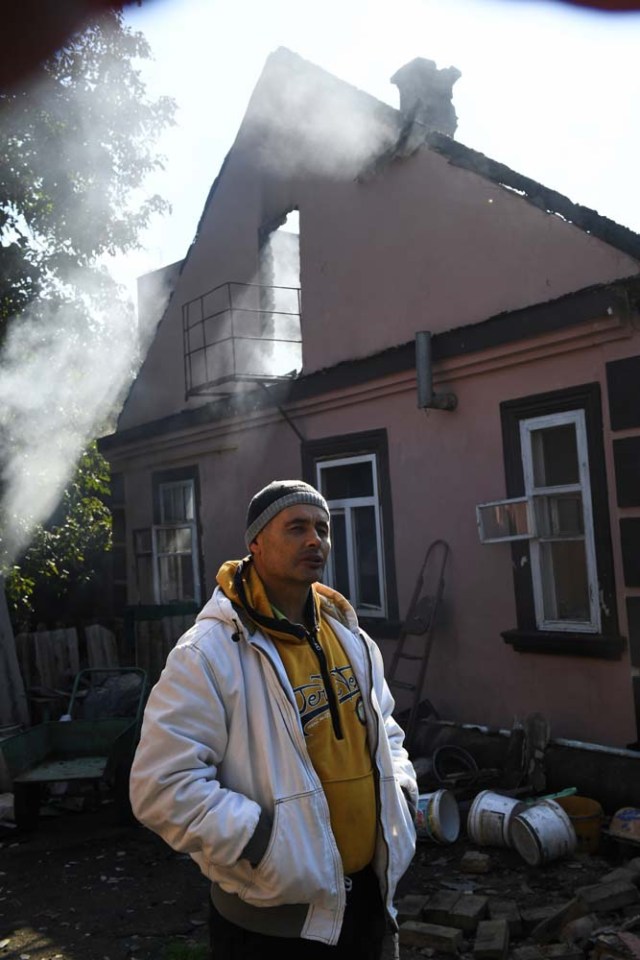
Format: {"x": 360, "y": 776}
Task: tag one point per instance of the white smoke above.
{"x": 309, "y": 123}
{"x": 62, "y": 370}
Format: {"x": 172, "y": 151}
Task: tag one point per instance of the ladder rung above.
{"x": 403, "y": 684}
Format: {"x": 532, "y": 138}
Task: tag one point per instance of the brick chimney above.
{"x": 426, "y": 94}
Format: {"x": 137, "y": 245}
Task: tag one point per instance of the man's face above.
{"x": 294, "y": 546}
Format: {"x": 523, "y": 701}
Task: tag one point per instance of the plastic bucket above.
{"x": 543, "y": 832}
{"x": 586, "y": 815}
{"x": 438, "y": 817}
{"x": 489, "y": 819}
{"x": 625, "y": 824}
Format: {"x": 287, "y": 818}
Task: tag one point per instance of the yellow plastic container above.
{"x": 586, "y": 816}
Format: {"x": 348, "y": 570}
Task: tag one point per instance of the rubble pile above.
{"x": 489, "y": 906}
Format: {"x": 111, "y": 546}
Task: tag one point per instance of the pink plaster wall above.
{"x": 423, "y": 245}
{"x": 441, "y": 465}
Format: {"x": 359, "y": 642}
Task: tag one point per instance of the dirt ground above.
{"x": 83, "y": 887}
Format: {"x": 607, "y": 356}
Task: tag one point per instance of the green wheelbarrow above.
{"x": 75, "y": 750}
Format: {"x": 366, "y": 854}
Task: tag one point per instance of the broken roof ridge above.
{"x": 541, "y": 196}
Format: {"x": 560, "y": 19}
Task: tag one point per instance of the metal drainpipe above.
{"x": 427, "y": 399}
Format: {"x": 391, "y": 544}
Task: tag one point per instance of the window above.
{"x": 355, "y": 565}
{"x": 557, "y": 522}
{"x": 143, "y": 556}
{"x": 175, "y": 543}
{"x": 563, "y": 563}
{"x": 352, "y": 474}
{"x": 279, "y": 334}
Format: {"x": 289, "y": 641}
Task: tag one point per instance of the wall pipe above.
{"x": 427, "y": 399}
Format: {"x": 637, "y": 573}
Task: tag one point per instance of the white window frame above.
{"x": 531, "y": 492}
{"x": 583, "y": 487}
{"x": 189, "y": 524}
{"x": 483, "y": 508}
{"x": 345, "y": 507}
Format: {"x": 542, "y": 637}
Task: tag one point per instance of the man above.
{"x": 268, "y": 751}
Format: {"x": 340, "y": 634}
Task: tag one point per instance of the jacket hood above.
{"x": 240, "y": 593}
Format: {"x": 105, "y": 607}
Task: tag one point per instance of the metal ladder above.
{"x": 420, "y": 621}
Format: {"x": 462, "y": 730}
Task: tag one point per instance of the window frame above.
{"x": 346, "y": 507}
{"x": 583, "y": 487}
{"x": 341, "y": 448}
{"x": 527, "y": 636}
{"x": 182, "y": 477}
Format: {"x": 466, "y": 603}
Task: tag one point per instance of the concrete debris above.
{"x": 475, "y": 862}
{"x": 492, "y": 940}
{"x": 585, "y": 907}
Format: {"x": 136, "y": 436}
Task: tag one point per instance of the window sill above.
{"x": 565, "y": 644}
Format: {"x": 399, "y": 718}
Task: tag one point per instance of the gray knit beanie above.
{"x": 273, "y": 498}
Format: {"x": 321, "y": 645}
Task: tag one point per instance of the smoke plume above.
{"x": 60, "y": 375}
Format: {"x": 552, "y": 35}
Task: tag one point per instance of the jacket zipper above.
{"x": 314, "y": 643}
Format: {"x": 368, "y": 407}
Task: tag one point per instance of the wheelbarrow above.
{"x": 74, "y": 750}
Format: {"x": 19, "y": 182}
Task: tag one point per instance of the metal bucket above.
{"x": 489, "y": 819}
{"x": 542, "y": 832}
{"x": 438, "y": 817}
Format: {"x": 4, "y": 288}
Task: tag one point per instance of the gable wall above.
{"x": 422, "y": 245}
{"x": 429, "y": 246}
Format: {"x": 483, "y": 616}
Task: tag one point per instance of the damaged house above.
{"x": 449, "y": 351}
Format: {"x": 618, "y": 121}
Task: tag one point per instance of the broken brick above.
{"x": 528, "y": 952}
{"x": 439, "y": 906}
{"x": 492, "y": 940}
{"x": 467, "y": 912}
{"x": 507, "y": 910}
{"x": 411, "y": 906}
{"x": 562, "y": 951}
{"x": 416, "y": 934}
{"x": 475, "y": 862}
{"x": 603, "y": 897}
{"x": 549, "y": 928}
{"x": 532, "y": 916}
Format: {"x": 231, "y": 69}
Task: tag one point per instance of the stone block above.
{"x": 475, "y": 862}
{"x": 439, "y": 906}
{"x": 413, "y": 933}
{"x": 607, "y": 897}
{"x": 549, "y": 928}
{"x": 621, "y": 873}
{"x": 562, "y": 951}
{"x": 580, "y": 930}
{"x": 528, "y": 952}
{"x": 411, "y": 907}
{"x": 507, "y": 910}
{"x": 532, "y": 916}
{"x": 492, "y": 940}
{"x": 468, "y": 910}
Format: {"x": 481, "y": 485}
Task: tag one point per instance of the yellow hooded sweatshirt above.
{"x": 330, "y": 707}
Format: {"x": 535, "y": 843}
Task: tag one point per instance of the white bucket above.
{"x": 438, "y": 817}
{"x": 543, "y": 832}
{"x": 489, "y": 818}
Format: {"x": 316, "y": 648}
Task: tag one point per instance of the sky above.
{"x": 547, "y": 88}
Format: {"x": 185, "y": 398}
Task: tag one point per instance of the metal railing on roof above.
{"x": 241, "y": 333}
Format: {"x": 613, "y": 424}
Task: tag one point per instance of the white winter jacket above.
{"x": 221, "y": 740}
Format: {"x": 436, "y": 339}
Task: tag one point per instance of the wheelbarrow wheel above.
{"x": 26, "y": 805}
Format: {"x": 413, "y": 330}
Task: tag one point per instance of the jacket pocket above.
{"x": 301, "y": 859}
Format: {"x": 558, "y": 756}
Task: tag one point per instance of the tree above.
{"x": 77, "y": 145}
{"x": 64, "y": 564}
